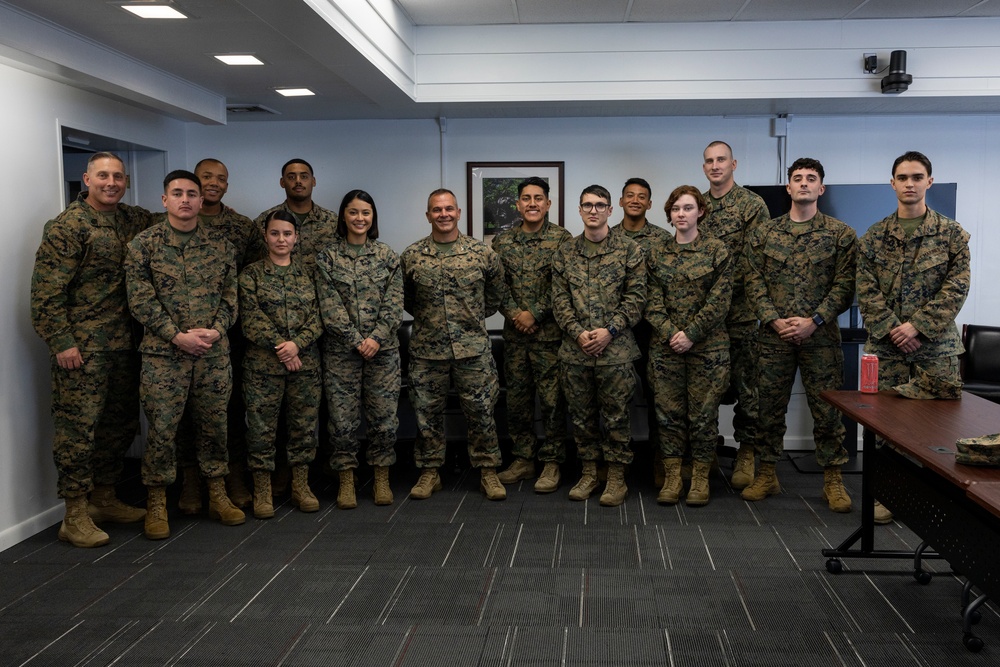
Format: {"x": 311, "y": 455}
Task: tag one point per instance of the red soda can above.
{"x": 869, "y": 374}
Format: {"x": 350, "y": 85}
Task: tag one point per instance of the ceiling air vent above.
{"x": 250, "y": 108}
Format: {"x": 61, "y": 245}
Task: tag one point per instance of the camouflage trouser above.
{"x": 688, "y": 389}
{"x": 743, "y": 365}
{"x": 530, "y": 368}
{"x": 166, "y": 386}
{"x": 894, "y": 371}
{"x": 264, "y": 395}
{"x": 351, "y": 382}
{"x": 95, "y": 412}
{"x": 822, "y": 367}
{"x": 596, "y": 393}
{"x": 478, "y": 388}
{"x": 236, "y": 430}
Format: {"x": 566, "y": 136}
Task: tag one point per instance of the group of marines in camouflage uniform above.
{"x": 733, "y": 304}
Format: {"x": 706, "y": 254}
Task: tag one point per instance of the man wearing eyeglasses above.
{"x": 598, "y": 293}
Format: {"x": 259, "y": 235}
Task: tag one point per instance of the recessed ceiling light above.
{"x": 239, "y": 59}
{"x": 149, "y": 11}
{"x": 294, "y": 92}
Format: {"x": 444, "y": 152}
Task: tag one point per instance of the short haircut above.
{"x": 598, "y": 190}
{"x": 719, "y": 142}
{"x": 348, "y": 198}
{"x": 296, "y": 160}
{"x": 641, "y": 182}
{"x": 912, "y": 156}
{"x": 537, "y": 181}
{"x": 682, "y": 190}
{"x": 208, "y": 159}
{"x": 104, "y": 155}
{"x": 181, "y": 173}
{"x": 438, "y": 193}
{"x": 807, "y": 163}
{"x": 282, "y": 214}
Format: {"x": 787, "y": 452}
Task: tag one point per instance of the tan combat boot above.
{"x": 429, "y": 482}
{"x": 698, "y": 493}
{"x": 105, "y": 506}
{"x": 587, "y": 484}
{"x": 236, "y": 487}
{"x": 834, "y": 491}
{"x": 190, "y": 500}
{"x": 380, "y": 488}
{"x": 220, "y": 506}
{"x": 346, "y": 499}
{"x": 518, "y": 470}
{"x": 490, "y": 484}
{"x": 302, "y": 495}
{"x": 78, "y": 528}
{"x": 672, "y": 482}
{"x": 764, "y": 484}
{"x": 548, "y": 481}
{"x": 743, "y": 468}
{"x": 156, "y": 527}
{"x": 615, "y": 490}
{"x": 263, "y": 505}
{"x": 882, "y": 514}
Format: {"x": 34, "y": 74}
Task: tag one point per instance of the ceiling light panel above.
{"x": 294, "y": 92}
{"x": 150, "y": 11}
{"x": 239, "y": 59}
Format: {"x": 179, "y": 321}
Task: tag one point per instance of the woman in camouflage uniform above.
{"x": 688, "y": 295}
{"x": 360, "y": 290}
{"x": 281, "y": 322}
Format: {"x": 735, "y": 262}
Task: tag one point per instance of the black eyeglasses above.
{"x": 600, "y": 207}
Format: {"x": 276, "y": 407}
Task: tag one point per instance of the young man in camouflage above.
{"x": 317, "y": 225}
{"x": 247, "y": 242}
{"x": 598, "y": 293}
{"x": 451, "y": 284}
{"x": 733, "y": 212}
{"x": 182, "y": 288}
{"x": 80, "y": 309}
{"x": 913, "y": 278}
{"x": 635, "y": 202}
{"x": 532, "y": 337}
{"x": 799, "y": 278}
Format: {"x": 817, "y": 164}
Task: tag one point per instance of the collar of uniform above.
{"x": 929, "y": 227}
{"x": 462, "y": 245}
{"x": 364, "y": 249}
{"x": 270, "y": 267}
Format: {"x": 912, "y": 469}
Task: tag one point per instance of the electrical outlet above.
{"x": 870, "y": 63}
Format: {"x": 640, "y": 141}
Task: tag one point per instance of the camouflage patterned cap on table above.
{"x": 981, "y": 451}
{"x": 925, "y": 386}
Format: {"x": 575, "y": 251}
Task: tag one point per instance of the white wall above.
{"x": 33, "y": 172}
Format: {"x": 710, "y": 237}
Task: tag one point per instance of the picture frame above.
{"x": 492, "y": 194}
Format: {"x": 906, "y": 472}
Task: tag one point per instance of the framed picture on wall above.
{"x": 492, "y": 194}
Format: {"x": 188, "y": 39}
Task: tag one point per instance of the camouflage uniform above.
{"x": 531, "y": 361}
{"x": 360, "y": 296}
{"x": 730, "y": 219}
{"x": 595, "y": 287}
{"x": 78, "y": 300}
{"x": 174, "y": 287}
{"x": 689, "y": 290}
{"x": 278, "y": 304}
{"x": 795, "y": 270}
{"x": 450, "y": 295}
{"x": 247, "y": 240}
{"x": 923, "y": 280}
{"x": 316, "y": 232}
{"x": 648, "y": 238}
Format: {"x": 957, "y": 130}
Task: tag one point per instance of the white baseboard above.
{"x": 31, "y": 526}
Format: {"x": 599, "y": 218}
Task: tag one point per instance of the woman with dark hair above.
{"x": 688, "y": 294}
{"x": 280, "y": 316}
{"x": 360, "y": 292}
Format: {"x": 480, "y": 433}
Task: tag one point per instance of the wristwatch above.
{"x": 613, "y": 330}
{"x": 818, "y": 321}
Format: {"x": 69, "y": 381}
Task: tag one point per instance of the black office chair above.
{"x": 980, "y": 364}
